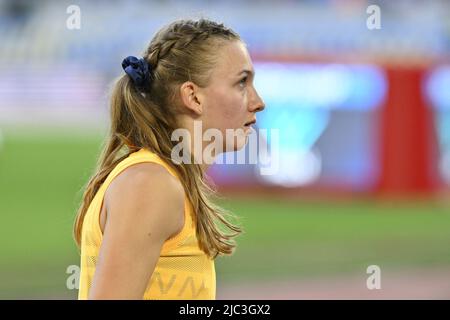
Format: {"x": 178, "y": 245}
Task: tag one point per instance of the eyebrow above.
{"x": 250, "y": 72}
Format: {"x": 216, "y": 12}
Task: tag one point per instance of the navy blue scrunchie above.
{"x": 137, "y": 70}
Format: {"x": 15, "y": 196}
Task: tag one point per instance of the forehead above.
{"x": 233, "y": 59}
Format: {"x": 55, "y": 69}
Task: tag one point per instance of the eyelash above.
{"x": 243, "y": 80}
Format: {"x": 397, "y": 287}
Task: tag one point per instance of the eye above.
{"x": 243, "y": 81}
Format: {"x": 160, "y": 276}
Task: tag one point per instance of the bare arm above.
{"x": 144, "y": 208}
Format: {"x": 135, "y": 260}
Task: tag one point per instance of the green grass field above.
{"x": 41, "y": 175}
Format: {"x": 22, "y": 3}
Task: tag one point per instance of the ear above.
{"x": 191, "y": 97}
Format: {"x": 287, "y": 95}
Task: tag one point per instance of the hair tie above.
{"x": 137, "y": 70}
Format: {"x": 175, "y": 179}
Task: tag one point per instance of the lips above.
{"x": 247, "y": 124}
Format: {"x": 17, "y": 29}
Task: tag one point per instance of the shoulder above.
{"x": 147, "y": 193}
{"x": 148, "y": 175}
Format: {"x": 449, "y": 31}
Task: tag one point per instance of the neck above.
{"x": 194, "y": 130}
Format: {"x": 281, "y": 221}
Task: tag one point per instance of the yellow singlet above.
{"x": 183, "y": 270}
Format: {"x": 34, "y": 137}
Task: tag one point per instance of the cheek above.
{"x": 230, "y": 111}
{"x": 232, "y": 114}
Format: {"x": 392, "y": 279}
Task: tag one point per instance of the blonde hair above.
{"x": 185, "y": 50}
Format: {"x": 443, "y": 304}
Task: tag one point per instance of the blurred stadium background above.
{"x": 365, "y": 142}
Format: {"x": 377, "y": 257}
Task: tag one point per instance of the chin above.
{"x": 237, "y": 145}
{"x": 241, "y": 144}
{"x": 236, "y": 141}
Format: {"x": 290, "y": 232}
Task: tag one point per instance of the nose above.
{"x": 257, "y": 104}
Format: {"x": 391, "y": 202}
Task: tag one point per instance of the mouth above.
{"x": 248, "y": 124}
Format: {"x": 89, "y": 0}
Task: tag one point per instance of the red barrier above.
{"x": 408, "y": 143}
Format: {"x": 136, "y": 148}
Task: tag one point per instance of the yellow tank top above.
{"x": 183, "y": 270}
